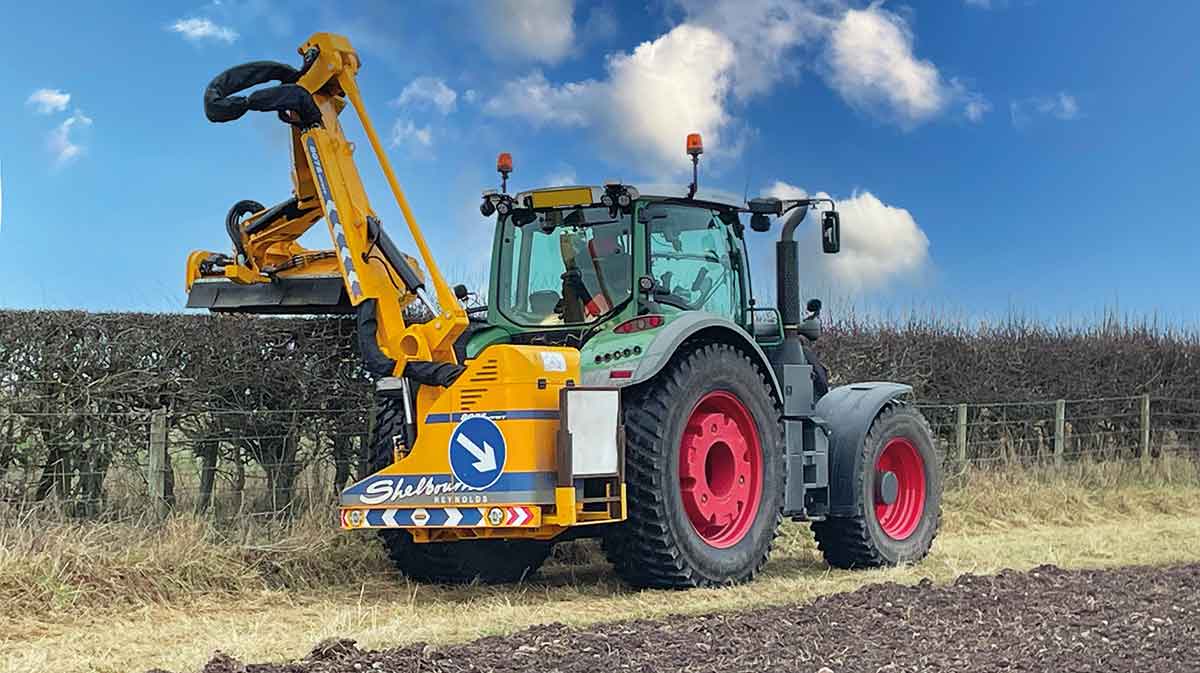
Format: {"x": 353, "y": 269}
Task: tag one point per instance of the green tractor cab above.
{"x": 721, "y": 397}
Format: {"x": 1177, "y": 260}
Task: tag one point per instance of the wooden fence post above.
{"x": 1144, "y": 452}
{"x": 1060, "y": 430}
{"x": 156, "y": 465}
{"x": 962, "y": 434}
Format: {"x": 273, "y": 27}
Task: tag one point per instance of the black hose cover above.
{"x": 373, "y": 357}
{"x": 287, "y": 98}
{"x": 220, "y": 105}
{"x": 418, "y": 371}
{"x": 233, "y": 221}
{"x": 433, "y": 373}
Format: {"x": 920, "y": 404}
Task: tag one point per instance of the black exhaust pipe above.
{"x": 787, "y": 288}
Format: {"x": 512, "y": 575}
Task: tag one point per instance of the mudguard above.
{"x": 848, "y": 412}
{"x": 672, "y": 335}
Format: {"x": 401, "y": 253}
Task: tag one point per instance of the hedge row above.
{"x": 277, "y": 394}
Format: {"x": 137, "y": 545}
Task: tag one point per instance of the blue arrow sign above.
{"x": 477, "y": 452}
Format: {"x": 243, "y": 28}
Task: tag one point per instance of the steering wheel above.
{"x": 703, "y": 286}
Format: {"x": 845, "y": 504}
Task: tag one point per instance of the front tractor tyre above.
{"x": 704, "y": 473}
{"x": 897, "y": 497}
{"x": 486, "y": 561}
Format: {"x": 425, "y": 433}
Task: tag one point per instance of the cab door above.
{"x": 690, "y": 259}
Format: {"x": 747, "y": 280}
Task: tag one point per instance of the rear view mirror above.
{"x": 831, "y": 232}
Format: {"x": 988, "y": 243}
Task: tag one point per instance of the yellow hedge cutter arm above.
{"x": 270, "y": 272}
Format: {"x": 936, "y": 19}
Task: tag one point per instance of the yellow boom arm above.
{"x": 327, "y": 184}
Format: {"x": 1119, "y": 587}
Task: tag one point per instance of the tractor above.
{"x": 620, "y": 383}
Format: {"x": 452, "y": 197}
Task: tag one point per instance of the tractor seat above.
{"x": 543, "y": 302}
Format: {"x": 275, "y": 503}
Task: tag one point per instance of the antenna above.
{"x": 746, "y": 190}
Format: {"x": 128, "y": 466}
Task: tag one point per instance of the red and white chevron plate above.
{"x": 512, "y": 516}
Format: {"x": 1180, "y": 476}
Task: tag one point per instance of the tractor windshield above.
{"x": 568, "y": 266}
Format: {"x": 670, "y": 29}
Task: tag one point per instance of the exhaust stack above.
{"x": 787, "y": 286}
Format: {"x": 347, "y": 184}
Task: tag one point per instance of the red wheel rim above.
{"x": 720, "y": 469}
{"x": 899, "y": 519}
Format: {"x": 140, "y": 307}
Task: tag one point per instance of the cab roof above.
{"x": 597, "y": 191}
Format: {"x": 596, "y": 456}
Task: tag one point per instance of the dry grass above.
{"x": 125, "y": 597}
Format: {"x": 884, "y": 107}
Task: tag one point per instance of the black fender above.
{"x": 694, "y": 325}
{"x": 847, "y": 412}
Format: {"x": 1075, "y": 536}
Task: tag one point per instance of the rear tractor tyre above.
{"x": 704, "y": 473}
{"x": 898, "y": 491}
{"x": 488, "y": 561}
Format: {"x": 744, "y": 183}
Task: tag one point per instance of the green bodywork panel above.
{"x": 486, "y": 337}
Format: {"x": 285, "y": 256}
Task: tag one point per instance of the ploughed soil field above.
{"x": 1144, "y": 619}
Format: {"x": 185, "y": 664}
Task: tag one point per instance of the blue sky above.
{"x": 1022, "y": 154}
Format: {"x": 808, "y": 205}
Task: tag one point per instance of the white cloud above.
{"x": 976, "y": 107}
{"x": 60, "y": 142}
{"x": 670, "y": 87}
{"x": 873, "y": 67}
{"x": 428, "y": 91}
{"x": 534, "y": 99}
{"x": 880, "y": 244}
{"x": 562, "y": 177}
{"x": 470, "y": 95}
{"x": 404, "y": 132}
{"x": 1062, "y": 106}
{"x": 978, "y": 4}
{"x": 49, "y": 101}
{"x": 783, "y": 190}
{"x": 196, "y": 29}
{"x": 765, "y": 33}
{"x": 649, "y": 101}
{"x": 692, "y": 78}
{"x": 526, "y": 30}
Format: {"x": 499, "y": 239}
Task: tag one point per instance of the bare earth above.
{"x": 1127, "y": 619}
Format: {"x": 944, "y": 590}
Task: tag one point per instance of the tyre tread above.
{"x": 846, "y": 542}
{"x": 644, "y": 552}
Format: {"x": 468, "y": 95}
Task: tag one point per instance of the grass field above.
{"x": 128, "y": 597}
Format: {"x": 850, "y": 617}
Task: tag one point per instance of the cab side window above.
{"x": 690, "y": 260}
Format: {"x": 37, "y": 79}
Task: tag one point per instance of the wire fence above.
{"x": 223, "y": 463}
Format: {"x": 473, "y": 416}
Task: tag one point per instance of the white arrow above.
{"x": 453, "y": 516}
{"x": 389, "y": 518}
{"x": 522, "y": 515}
{"x": 485, "y": 458}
